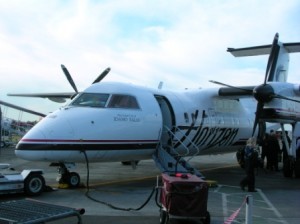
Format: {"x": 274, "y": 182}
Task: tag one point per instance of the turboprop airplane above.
{"x": 111, "y": 121}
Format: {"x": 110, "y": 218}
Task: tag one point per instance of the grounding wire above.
{"x": 87, "y": 193}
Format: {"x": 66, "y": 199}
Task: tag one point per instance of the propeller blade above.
{"x": 102, "y": 75}
{"x": 259, "y": 109}
{"x": 67, "y": 74}
{"x": 260, "y": 103}
{"x": 284, "y": 98}
{"x": 271, "y": 56}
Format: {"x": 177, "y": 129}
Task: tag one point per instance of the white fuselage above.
{"x": 133, "y": 131}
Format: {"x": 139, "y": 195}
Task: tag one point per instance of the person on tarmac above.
{"x": 251, "y": 156}
{"x": 265, "y": 150}
{"x": 274, "y": 150}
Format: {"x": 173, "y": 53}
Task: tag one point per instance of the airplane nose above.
{"x": 55, "y": 127}
{"x": 41, "y": 140}
{"x": 23, "y": 147}
{"x": 36, "y": 133}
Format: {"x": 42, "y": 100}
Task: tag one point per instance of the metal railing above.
{"x": 173, "y": 136}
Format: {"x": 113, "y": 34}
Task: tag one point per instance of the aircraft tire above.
{"x": 73, "y": 180}
{"x": 34, "y": 184}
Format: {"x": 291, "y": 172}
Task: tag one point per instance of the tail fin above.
{"x": 280, "y": 65}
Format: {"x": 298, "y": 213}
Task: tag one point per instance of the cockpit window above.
{"x": 123, "y": 101}
{"x": 91, "y": 100}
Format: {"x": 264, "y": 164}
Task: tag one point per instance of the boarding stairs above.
{"x": 171, "y": 161}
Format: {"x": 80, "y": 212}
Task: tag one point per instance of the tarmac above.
{"x": 277, "y": 199}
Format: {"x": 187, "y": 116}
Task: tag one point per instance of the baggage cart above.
{"x": 28, "y": 211}
{"x": 183, "y": 197}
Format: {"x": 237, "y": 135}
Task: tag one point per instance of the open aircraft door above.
{"x": 168, "y": 121}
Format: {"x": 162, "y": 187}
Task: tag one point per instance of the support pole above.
{"x": 249, "y": 207}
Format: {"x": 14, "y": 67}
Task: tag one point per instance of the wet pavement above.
{"x": 277, "y": 199}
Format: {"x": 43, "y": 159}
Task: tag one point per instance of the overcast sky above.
{"x": 180, "y": 42}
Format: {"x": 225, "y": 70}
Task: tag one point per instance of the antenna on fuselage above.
{"x": 160, "y": 85}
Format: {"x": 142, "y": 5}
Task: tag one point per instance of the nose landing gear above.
{"x": 67, "y": 179}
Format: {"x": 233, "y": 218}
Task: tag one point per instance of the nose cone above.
{"x": 29, "y": 143}
{"x": 34, "y": 134}
{"x": 39, "y": 141}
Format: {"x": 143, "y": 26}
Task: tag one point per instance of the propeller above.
{"x": 264, "y": 93}
{"x": 285, "y": 98}
{"x": 102, "y": 75}
{"x": 69, "y": 77}
{"x": 274, "y": 51}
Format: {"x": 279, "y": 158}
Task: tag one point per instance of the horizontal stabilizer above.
{"x": 262, "y": 50}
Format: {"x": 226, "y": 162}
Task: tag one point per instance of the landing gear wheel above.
{"x": 73, "y": 179}
{"x": 34, "y": 184}
{"x": 67, "y": 179}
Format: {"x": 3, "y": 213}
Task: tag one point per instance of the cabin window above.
{"x": 123, "y": 101}
{"x": 91, "y": 100}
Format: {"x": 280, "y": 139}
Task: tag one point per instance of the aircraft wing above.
{"x": 21, "y": 108}
{"x": 56, "y": 97}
